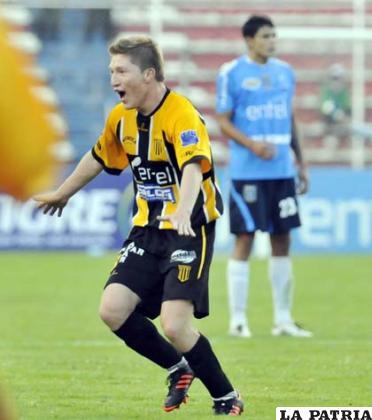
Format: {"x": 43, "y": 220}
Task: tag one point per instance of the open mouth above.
{"x": 121, "y": 94}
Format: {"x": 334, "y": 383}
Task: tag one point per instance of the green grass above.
{"x": 58, "y": 361}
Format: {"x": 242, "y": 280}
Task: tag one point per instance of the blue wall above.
{"x": 336, "y": 216}
{"x": 336, "y": 213}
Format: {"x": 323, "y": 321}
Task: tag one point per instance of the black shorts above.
{"x": 160, "y": 265}
{"x": 267, "y": 205}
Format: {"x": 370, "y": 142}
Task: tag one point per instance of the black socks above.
{"x": 207, "y": 368}
{"x": 141, "y": 335}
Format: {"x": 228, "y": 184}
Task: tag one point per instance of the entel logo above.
{"x": 341, "y": 223}
{"x": 159, "y": 177}
{"x": 268, "y": 111}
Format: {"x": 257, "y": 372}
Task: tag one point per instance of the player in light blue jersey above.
{"x": 254, "y": 110}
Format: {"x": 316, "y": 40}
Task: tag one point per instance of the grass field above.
{"x": 58, "y": 361}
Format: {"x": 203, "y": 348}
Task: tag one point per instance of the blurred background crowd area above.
{"x": 328, "y": 42}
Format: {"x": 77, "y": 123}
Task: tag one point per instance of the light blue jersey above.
{"x": 260, "y": 98}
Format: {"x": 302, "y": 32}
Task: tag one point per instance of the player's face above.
{"x": 128, "y": 81}
{"x": 262, "y": 45}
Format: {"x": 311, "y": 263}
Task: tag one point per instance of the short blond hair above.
{"x": 143, "y": 51}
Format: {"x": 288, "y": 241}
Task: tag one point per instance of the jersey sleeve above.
{"x": 108, "y": 150}
{"x": 224, "y": 93}
{"x": 191, "y": 141}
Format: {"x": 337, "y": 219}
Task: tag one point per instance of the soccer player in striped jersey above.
{"x": 254, "y": 110}
{"x": 163, "y": 266}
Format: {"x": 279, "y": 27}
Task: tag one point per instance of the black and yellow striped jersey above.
{"x": 157, "y": 147}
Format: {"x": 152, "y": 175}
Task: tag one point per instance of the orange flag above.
{"x": 26, "y": 136}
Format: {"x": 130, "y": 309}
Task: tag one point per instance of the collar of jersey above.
{"x": 167, "y": 92}
{"x": 250, "y": 61}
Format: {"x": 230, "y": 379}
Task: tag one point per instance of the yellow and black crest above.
{"x": 184, "y": 272}
{"x": 158, "y": 146}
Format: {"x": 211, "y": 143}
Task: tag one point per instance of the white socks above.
{"x": 237, "y": 285}
{"x": 280, "y": 274}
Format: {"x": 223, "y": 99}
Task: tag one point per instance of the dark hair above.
{"x": 143, "y": 52}
{"x": 254, "y": 23}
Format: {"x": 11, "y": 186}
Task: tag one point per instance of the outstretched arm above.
{"x": 189, "y": 190}
{"x": 87, "y": 169}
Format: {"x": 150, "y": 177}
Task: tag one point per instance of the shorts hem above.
{"x": 198, "y": 314}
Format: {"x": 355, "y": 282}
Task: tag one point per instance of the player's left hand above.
{"x": 51, "y": 203}
{"x": 181, "y": 222}
{"x": 303, "y": 181}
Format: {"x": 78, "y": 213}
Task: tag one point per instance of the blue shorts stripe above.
{"x": 244, "y": 210}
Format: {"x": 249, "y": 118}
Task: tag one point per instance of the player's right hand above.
{"x": 51, "y": 203}
{"x": 263, "y": 150}
{"x": 181, "y": 222}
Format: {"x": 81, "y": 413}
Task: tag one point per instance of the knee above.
{"x": 111, "y": 316}
{"x": 243, "y": 246}
{"x": 280, "y": 245}
{"x": 173, "y": 331}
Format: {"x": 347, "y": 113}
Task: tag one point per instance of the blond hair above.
{"x": 143, "y": 51}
